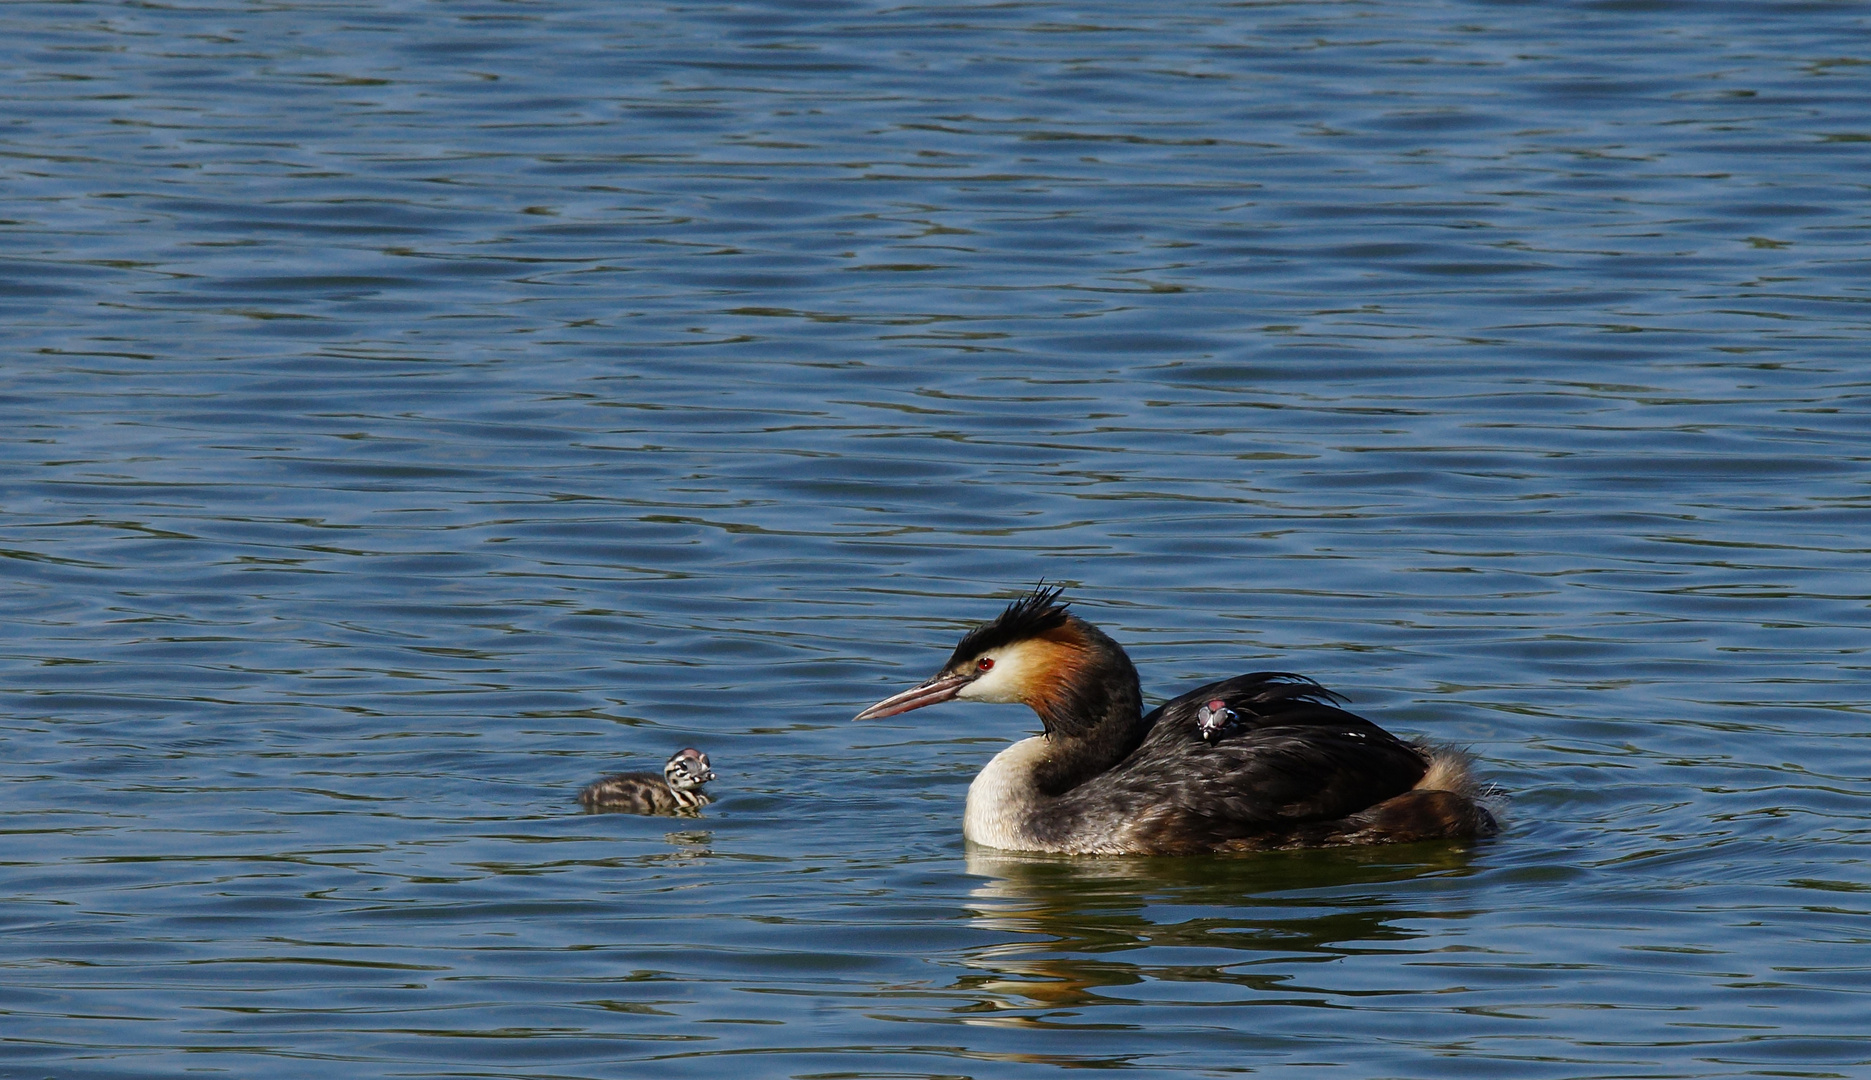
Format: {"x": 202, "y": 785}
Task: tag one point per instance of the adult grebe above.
{"x": 1252, "y": 763}
{"x": 679, "y": 789}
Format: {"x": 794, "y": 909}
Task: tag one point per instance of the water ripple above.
{"x": 412, "y": 414}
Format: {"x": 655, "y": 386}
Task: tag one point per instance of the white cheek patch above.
{"x": 989, "y": 687}
{"x": 1007, "y": 680}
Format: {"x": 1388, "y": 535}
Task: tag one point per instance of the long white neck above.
{"x": 1005, "y": 796}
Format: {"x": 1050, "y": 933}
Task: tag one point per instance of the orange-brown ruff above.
{"x": 1257, "y": 762}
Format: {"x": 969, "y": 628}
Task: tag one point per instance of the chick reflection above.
{"x": 692, "y": 846}
{"x": 1239, "y": 921}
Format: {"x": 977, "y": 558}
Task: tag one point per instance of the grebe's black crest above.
{"x": 1028, "y": 617}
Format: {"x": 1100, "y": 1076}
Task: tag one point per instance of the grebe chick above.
{"x": 678, "y": 790}
{"x": 1213, "y": 720}
{"x": 1254, "y": 763}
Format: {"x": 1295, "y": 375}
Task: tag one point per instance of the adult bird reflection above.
{"x": 1253, "y": 763}
{"x": 1075, "y": 931}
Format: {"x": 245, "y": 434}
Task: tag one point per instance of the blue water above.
{"x": 410, "y": 412}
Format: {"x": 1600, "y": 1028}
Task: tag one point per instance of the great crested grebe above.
{"x": 678, "y": 789}
{"x": 1253, "y": 763}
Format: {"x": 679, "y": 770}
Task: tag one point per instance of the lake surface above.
{"x": 412, "y": 411}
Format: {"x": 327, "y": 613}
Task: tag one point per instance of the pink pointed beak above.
{"x": 938, "y": 689}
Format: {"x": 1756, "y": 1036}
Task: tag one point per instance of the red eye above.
{"x": 984, "y": 664}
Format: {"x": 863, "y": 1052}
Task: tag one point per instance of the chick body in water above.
{"x": 677, "y": 791}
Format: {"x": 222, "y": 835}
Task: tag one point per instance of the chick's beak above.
{"x": 936, "y": 690}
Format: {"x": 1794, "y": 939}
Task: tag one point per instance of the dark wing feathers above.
{"x": 1292, "y": 757}
{"x": 1263, "y": 774}
{"x": 1262, "y": 699}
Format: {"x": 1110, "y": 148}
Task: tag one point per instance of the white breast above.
{"x": 1002, "y": 798}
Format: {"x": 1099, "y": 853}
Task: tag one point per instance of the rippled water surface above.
{"x": 413, "y": 410}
